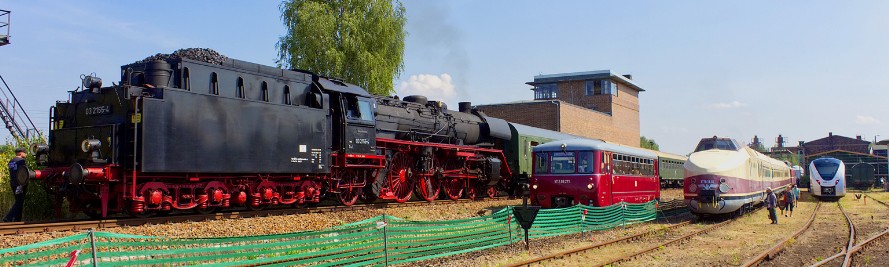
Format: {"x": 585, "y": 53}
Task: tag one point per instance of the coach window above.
{"x": 287, "y": 95}
{"x": 265, "y": 91}
{"x": 541, "y": 161}
{"x": 586, "y": 162}
{"x": 562, "y": 162}
{"x": 241, "y": 92}
{"x": 186, "y": 79}
{"x": 214, "y": 84}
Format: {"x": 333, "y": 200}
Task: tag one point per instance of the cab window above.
{"x": 562, "y": 162}
{"x": 360, "y": 110}
{"x": 540, "y": 162}
{"x": 586, "y": 162}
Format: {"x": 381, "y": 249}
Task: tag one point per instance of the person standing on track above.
{"x": 771, "y": 202}
{"x": 18, "y": 190}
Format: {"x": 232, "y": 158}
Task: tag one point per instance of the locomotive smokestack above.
{"x": 465, "y": 107}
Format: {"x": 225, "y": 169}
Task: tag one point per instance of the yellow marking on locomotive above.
{"x": 136, "y": 118}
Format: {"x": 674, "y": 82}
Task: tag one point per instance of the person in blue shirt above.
{"x": 18, "y": 190}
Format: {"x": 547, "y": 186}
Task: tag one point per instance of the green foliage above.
{"x": 648, "y": 143}
{"x": 359, "y": 41}
{"x": 38, "y": 204}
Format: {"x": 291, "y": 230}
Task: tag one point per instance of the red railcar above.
{"x": 592, "y": 172}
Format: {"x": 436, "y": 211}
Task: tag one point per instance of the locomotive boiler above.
{"x": 195, "y": 130}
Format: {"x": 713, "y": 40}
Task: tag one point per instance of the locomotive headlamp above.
{"x": 564, "y": 146}
{"x": 40, "y": 151}
{"x": 90, "y": 145}
{"x": 723, "y": 187}
{"x": 534, "y": 186}
{"x": 589, "y": 186}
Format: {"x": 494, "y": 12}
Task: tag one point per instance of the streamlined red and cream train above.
{"x": 722, "y": 176}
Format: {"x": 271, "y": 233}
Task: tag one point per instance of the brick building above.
{"x": 596, "y": 104}
{"x": 851, "y": 151}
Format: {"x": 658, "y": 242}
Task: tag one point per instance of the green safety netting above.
{"x": 378, "y": 241}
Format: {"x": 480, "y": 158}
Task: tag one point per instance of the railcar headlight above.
{"x": 724, "y": 187}
{"x": 692, "y": 188}
{"x": 90, "y": 145}
{"x": 534, "y": 186}
{"x": 589, "y": 186}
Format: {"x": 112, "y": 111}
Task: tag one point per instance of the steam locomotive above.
{"x": 179, "y": 133}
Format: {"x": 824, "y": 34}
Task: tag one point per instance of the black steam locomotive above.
{"x": 187, "y": 133}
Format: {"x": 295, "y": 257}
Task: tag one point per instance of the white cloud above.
{"x": 733, "y": 104}
{"x": 866, "y": 120}
{"x": 435, "y": 87}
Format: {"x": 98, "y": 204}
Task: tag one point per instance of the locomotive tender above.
{"x": 184, "y": 134}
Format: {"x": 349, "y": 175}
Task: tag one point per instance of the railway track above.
{"x": 845, "y": 253}
{"x": 773, "y": 251}
{"x": 547, "y": 260}
{"x": 79, "y": 225}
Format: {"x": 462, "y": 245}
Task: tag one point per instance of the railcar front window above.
{"x": 563, "y": 162}
{"x": 721, "y": 144}
{"x": 540, "y": 162}
{"x": 827, "y": 169}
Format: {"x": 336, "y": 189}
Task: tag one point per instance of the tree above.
{"x": 359, "y": 41}
{"x": 648, "y": 143}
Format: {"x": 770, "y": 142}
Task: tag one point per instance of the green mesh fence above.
{"x": 379, "y": 241}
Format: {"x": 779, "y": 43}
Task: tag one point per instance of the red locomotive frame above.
{"x": 452, "y": 168}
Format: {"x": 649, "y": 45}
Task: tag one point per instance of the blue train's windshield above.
{"x": 826, "y": 168}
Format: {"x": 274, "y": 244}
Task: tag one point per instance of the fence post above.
{"x": 93, "y": 248}
{"x": 509, "y": 223}
{"x": 623, "y": 214}
{"x": 385, "y": 240}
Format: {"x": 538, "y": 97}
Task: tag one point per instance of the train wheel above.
{"x": 400, "y": 177}
{"x": 492, "y": 191}
{"x": 348, "y": 193}
{"x": 471, "y": 191}
{"x": 429, "y": 183}
{"x": 454, "y": 188}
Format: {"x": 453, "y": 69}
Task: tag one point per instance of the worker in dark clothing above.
{"x": 771, "y": 201}
{"x": 19, "y": 190}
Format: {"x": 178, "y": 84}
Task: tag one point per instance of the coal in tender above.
{"x": 198, "y": 54}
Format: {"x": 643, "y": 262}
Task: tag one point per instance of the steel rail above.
{"x": 773, "y": 251}
{"x": 847, "y": 259}
{"x": 598, "y": 245}
{"x": 629, "y": 238}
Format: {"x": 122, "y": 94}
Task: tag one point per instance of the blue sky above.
{"x": 738, "y": 69}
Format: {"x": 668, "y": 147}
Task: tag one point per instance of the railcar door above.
{"x": 607, "y": 180}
